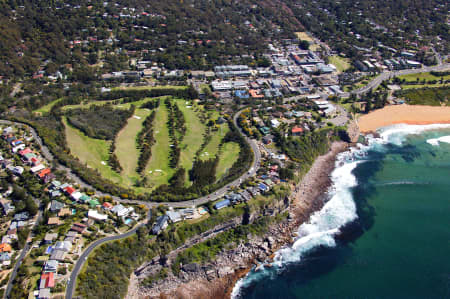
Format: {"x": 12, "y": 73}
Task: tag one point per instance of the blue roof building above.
{"x": 222, "y": 204}
{"x": 242, "y": 94}
{"x": 263, "y": 187}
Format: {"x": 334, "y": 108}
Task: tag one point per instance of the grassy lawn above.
{"x": 212, "y": 147}
{"x": 91, "y": 151}
{"x": 126, "y": 150}
{"x": 415, "y": 86}
{"x": 230, "y": 153}
{"x": 422, "y": 76}
{"x": 339, "y": 62}
{"x": 48, "y": 107}
{"x": 193, "y": 138}
{"x": 304, "y": 36}
{"x": 85, "y": 104}
{"x": 158, "y": 170}
{"x": 148, "y": 87}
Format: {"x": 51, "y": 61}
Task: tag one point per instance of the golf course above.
{"x": 201, "y": 138}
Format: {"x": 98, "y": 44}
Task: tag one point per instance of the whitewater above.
{"x": 340, "y": 209}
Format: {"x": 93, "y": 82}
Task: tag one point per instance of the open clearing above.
{"x": 48, "y": 107}
{"x": 158, "y": 170}
{"x": 339, "y": 62}
{"x": 193, "y": 138}
{"x": 422, "y": 76}
{"x": 91, "y": 151}
{"x": 230, "y": 153}
{"x": 304, "y": 36}
{"x": 148, "y": 87}
{"x": 126, "y": 150}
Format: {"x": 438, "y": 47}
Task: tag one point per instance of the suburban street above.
{"x": 341, "y": 119}
{"x": 79, "y": 264}
{"x": 22, "y": 255}
{"x": 71, "y": 284}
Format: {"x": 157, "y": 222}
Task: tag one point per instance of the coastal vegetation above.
{"x": 426, "y": 96}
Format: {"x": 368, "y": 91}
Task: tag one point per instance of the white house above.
{"x": 94, "y": 215}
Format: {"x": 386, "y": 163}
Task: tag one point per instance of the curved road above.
{"x": 71, "y": 286}
{"x": 217, "y": 194}
{"x": 387, "y": 75}
{"x": 202, "y": 200}
{"x": 181, "y": 204}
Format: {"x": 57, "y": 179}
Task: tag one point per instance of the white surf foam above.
{"x": 340, "y": 209}
{"x": 436, "y": 141}
{"x": 396, "y": 134}
{"x": 320, "y": 229}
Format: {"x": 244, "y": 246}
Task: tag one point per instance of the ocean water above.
{"x": 384, "y": 233}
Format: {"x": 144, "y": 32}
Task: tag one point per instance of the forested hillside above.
{"x": 66, "y": 35}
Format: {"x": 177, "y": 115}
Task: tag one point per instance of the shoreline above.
{"x": 307, "y": 197}
{"x": 310, "y": 196}
{"x": 403, "y": 114}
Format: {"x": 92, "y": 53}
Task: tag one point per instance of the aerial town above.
{"x": 141, "y": 158}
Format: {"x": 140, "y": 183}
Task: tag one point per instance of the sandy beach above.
{"x": 404, "y": 114}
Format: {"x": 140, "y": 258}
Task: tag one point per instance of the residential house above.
{"x": 16, "y": 170}
{"x": 53, "y": 221}
{"x": 50, "y": 237}
{"x": 268, "y": 139}
{"x": 7, "y": 206}
{"x": 161, "y": 224}
{"x": 96, "y": 216}
{"x": 297, "y": 131}
{"x": 121, "y": 211}
{"x": 78, "y": 227}
{"x": 37, "y": 168}
{"x": 21, "y": 216}
{"x": 58, "y": 255}
{"x": 50, "y": 266}
{"x": 5, "y": 256}
{"x": 64, "y": 212}
{"x": 56, "y": 206}
{"x": 63, "y": 245}
{"x": 174, "y": 216}
{"x": 5, "y": 247}
{"x": 107, "y": 206}
{"x": 44, "y": 294}
{"x": 75, "y": 196}
{"x": 47, "y": 281}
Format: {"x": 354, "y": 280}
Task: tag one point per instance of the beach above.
{"x": 403, "y": 114}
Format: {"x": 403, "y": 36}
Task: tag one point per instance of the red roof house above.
{"x": 25, "y": 151}
{"x": 48, "y": 280}
{"x": 69, "y": 190}
{"x": 107, "y": 206}
{"x": 297, "y": 131}
{"x": 44, "y": 172}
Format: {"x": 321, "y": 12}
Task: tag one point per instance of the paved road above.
{"x": 181, "y": 204}
{"x": 217, "y": 194}
{"x": 71, "y": 285}
{"x": 387, "y": 75}
{"x": 23, "y": 254}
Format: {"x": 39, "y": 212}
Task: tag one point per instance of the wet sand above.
{"x": 404, "y": 114}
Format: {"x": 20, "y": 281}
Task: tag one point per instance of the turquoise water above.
{"x": 397, "y": 242}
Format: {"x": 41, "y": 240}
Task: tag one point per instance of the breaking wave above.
{"x": 340, "y": 210}
{"x": 319, "y": 230}
{"x": 436, "y": 141}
